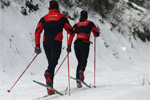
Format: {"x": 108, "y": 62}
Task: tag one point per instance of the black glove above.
{"x": 37, "y": 50}
{"x": 69, "y": 48}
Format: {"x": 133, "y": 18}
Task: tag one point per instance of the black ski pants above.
{"x": 82, "y": 53}
{"x": 52, "y": 53}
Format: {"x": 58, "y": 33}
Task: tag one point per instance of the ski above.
{"x": 83, "y": 82}
{"x": 45, "y": 96}
{"x": 47, "y": 86}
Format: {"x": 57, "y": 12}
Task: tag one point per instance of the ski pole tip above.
{"x": 8, "y": 91}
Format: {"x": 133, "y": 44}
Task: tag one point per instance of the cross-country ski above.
{"x": 83, "y": 82}
{"x": 53, "y": 89}
{"x": 46, "y": 96}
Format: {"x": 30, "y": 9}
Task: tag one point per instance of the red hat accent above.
{"x": 53, "y": 2}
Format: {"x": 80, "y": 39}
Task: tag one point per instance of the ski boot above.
{"x": 81, "y": 75}
{"x": 48, "y": 82}
{"x": 79, "y": 85}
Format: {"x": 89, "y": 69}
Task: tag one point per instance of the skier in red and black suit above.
{"x": 81, "y": 46}
{"x": 52, "y": 24}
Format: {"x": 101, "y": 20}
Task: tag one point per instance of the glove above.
{"x": 37, "y": 50}
{"x": 69, "y": 48}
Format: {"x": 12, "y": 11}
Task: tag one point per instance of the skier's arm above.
{"x": 38, "y": 32}
{"x": 72, "y": 36}
{"x": 95, "y": 30}
{"x": 70, "y": 40}
{"x": 68, "y": 27}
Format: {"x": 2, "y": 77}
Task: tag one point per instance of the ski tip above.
{"x": 71, "y": 77}
{"x": 34, "y": 81}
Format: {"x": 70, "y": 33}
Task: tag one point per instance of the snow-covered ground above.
{"x": 122, "y": 71}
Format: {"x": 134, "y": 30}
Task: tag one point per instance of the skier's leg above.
{"x": 78, "y": 56}
{"x": 84, "y": 55}
{"x": 55, "y": 55}
{"x": 52, "y": 54}
{"x": 47, "y": 73}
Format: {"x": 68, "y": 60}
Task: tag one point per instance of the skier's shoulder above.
{"x": 63, "y": 15}
{"x": 41, "y": 20}
{"x": 75, "y": 25}
{"x": 84, "y": 23}
{"x": 89, "y": 21}
{"x": 44, "y": 16}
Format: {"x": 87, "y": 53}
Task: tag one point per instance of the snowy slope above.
{"x": 123, "y": 64}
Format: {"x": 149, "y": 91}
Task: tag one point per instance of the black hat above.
{"x": 84, "y": 14}
{"x": 53, "y": 5}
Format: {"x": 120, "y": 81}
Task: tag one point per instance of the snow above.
{"x": 138, "y": 7}
{"x": 122, "y": 64}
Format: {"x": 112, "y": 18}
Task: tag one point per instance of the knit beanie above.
{"x": 84, "y": 14}
{"x": 53, "y": 5}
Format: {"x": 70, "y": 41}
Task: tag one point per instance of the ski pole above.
{"x": 94, "y": 61}
{"x": 68, "y": 69}
{"x": 68, "y": 75}
{"x": 22, "y": 74}
{"x": 61, "y": 64}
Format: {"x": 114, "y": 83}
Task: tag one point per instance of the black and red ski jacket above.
{"x": 52, "y": 24}
{"x": 83, "y": 31}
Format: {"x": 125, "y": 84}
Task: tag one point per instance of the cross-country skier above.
{"x": 52, "y": 24}
{"x": 81, "y": 46}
